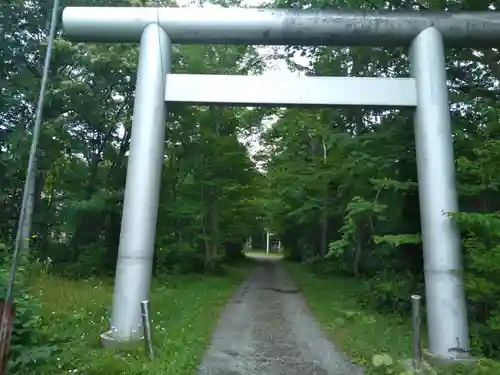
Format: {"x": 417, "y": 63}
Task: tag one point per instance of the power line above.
{"x": 32, "y": 156}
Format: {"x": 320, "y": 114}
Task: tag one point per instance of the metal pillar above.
{"x": 140, "y": 208}
{"x": 28, "y": 215}
{"x": 267, "y": 242}
{"x": 446, "y": 308}
{"x": 415, "y": 328}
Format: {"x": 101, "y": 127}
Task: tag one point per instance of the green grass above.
{"x": 263, "y": 252}
{"x": 185, "y": 310}
{"x": 361, "y": 332}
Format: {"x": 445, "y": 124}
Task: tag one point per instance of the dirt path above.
{"x": 267, "y": 329}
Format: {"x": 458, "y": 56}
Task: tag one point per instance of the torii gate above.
{"x": 426, "y": 90}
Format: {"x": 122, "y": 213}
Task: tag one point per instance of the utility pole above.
{"x": 28, "y": 215}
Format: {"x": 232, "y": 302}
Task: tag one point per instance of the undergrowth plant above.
{"x": 30, "y": 347}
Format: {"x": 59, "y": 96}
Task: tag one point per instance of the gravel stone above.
{"x": 267, "y": 329}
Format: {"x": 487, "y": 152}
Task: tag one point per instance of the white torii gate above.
{"x": 426, "y": 90}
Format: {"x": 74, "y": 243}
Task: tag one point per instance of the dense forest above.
{"x": 338, "y": 187}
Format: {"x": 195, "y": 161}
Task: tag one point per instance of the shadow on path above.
{"x": 267, "y": 329}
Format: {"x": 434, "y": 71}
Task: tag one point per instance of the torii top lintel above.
{"x": 262, "y": 26}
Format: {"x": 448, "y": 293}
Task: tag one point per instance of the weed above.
{"x": 184, "y": 309}
{"x": 377, "y": 341}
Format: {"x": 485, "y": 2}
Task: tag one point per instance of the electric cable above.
{"x": 32, "y": 155}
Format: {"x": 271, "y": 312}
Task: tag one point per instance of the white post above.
{"x": 267, "y": 242}
{"x": 444, "y": 291}
{"x": 142, "y": 188}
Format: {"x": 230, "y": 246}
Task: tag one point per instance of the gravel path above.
{"x": 267, "y": 329}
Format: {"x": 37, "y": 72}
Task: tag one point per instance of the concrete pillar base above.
{"x": 440, "y": 362}
{"x": 109, "y": 342}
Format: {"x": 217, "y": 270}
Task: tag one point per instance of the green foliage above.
{"x": 342, "y": 189}
{"x": 29, "y": 346}
{"x": 358, "y": 213}
{"x": 381, "y": 343}
{"x": 481, "y": 243}
{"x": 339, "y": 188}
{"x": 211, "y": 189}
{"x": 210, "y": 184}
{"x": 75, "y": 312}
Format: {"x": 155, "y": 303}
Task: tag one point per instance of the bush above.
{"x": 29, "y": 346}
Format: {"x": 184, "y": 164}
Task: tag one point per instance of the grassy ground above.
{"x": 185, "y": 310}
{"x": 263, "y": 252}
{"x": 360, "y": 332}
